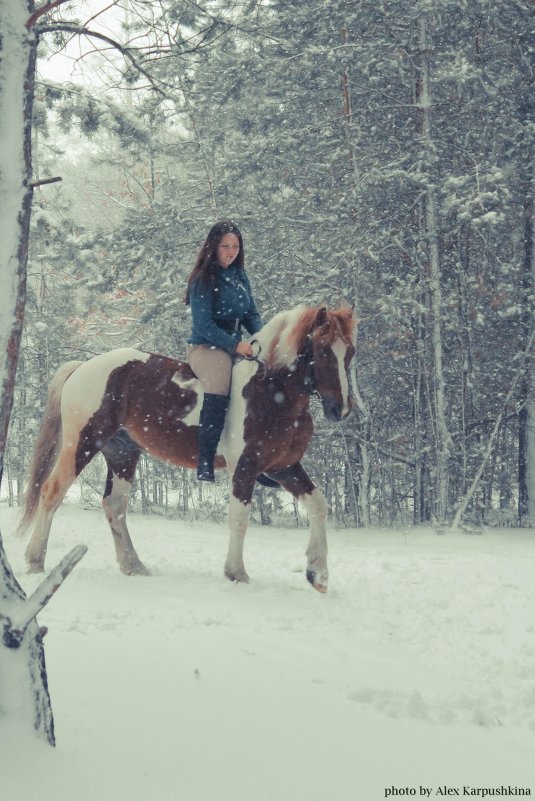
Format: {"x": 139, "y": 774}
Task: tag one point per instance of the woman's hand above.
{"x": 244, "y": 349}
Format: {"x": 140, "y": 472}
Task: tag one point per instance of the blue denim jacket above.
{"x": 217, "y": 315}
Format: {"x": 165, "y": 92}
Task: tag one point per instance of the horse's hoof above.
{"x": 237, "y": 575}
{"x": 318, "y": 582}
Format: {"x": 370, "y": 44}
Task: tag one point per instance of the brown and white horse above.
{"x": 126, "y": 401}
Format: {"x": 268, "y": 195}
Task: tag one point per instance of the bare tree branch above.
{"x": 102, "y": 11}
{"x": 39, "y": 12}
{"x": 465, "y": 500}
{"x": 125, "y": 51}
{"x": 46, "y": 181}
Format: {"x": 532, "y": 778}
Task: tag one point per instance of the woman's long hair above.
{"x": 206, "y": 269}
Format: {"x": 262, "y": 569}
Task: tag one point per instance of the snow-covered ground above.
{"x": 415, "y": 672}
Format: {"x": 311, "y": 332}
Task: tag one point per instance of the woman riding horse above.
{"x": 127, "y": 401}
{"x": 221, "y": 302}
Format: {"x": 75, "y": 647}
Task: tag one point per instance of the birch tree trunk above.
{"x": 24, "y": 685}
{"x": 470, "y": 406}
{"x": 422, "y": 486}
{"x": 442, "y": 437}
{"x": 18, "y": 54}
{"x": 526, "y": 434}
{"x": 24, "y": 695}
{"x": 360, "y": 483}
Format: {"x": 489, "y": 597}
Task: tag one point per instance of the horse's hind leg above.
{"x": 296, "y": 481}
{"x": 121, "y": 454}
{"x": 80, "y": 445}
{"x": 51, "y": 495}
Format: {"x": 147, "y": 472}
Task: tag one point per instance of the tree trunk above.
{"x": 24, "y": 688}
{"x": 17, "y": 56}
{"x": 526, "y": 357}
{"x": 22, "y": 411}
{"x": 24, "y": 693}
{"x": 526, "y": 422}
{"x": 431, "y": 222}
{"x": 422, "y": 484}
{"x": 360, "y": 484}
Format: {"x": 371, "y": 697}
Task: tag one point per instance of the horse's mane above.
{"x": 283, "y": 338}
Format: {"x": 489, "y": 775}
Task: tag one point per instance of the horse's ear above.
{"x": 321, "y": 317}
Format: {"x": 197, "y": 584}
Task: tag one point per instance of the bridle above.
{"x": 306, "y": 356}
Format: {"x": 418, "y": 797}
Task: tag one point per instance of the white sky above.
{"x": 75, "y": 62}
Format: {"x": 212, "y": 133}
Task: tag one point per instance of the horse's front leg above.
{"x": 121, "y": 454}
{"x": 317, "y": 572}
{"x": 115, "y": 505}
{"x": 296, "y": 480}
{"x": 238, "y": 517}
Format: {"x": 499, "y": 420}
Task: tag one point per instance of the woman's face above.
{"x": 227, "y": 250}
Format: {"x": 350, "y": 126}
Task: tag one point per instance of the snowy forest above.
{"x": 378, "y": 154}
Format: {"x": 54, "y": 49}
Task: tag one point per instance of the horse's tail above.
{"x": 46, "y": 446}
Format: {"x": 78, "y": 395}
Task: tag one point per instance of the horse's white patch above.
{"x": 238, "y": 515}
{"x": 119, "y": 494}
{"x": 280, "y": 329}
{"x": 232, "y": 441}
{"x": 184, "y": 384}
{"x": 83, "y": 392}
{"x": 339, "y": 349}
{"x": 115, "y": 506}
{"x": 238, "y": 518}
{"x": 192, "y": 416}
{"x": 316, "y": 507}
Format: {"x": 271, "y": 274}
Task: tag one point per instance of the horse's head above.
{"x": 321, "y": 342}
{"x": 328, "y": 354}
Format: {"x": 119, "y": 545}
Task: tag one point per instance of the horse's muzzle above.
{"x": 335, "y": 411}
{"x": 332, "y": 411}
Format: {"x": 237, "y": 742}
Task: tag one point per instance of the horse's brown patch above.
{"x": 273, "y": 396}
{"x": 278, "y": 425}
{"x": 142, "y": 398}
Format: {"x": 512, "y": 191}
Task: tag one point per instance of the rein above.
{"x": 308, "y": 357}
{"x": 255, "y": 358}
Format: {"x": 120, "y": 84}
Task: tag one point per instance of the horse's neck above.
{"x": 276, "y": 339}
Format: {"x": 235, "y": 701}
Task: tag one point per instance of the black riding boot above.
{"x": 211, "y": 425}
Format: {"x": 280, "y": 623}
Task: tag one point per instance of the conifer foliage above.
{"x": 379, "y": 154}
